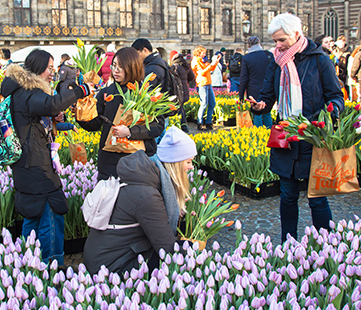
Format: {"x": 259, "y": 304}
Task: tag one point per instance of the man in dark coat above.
{"x": 254, "y": 67}
{"x": 319, "y": 86}
{"x": 235, "y": 67}
{"x": 153, "y": 62}
{"x": 182, "y": 68}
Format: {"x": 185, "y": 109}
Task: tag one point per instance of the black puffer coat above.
{"x": 138, "y": 202}
{"x": 316, "y": 92}
{"x": 154, "y": 63}
{"x": 107, "y": 161}
{"x": 35, "y": 180}
{"x": 67, "y": 76}
{"x": 185, "y": 73}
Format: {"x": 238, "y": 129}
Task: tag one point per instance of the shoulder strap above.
{"x": 319, "y": 69}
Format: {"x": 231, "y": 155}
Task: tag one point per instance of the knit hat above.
{"x": 111, "y": 48}
{"x": 176, "y": 146}
{"x": 253, "y": 40}
{"x": 223, "y": 49}
{"x": 188, "y": 57}
{"x": 172, "y": 54}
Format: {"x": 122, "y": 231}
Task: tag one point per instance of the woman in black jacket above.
{"x": 39, "y": 196}
{"x": 186, "y": 74}
{"x": 303, "y": 80}
{"x": 146, "y": 212}
{"x": 126, "y": 67}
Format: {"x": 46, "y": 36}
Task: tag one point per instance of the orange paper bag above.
{"x": 78, "y": 152}
{"x": 91, "y": 77}
{"x": 243, "y": 119}
{"x": 86, "y": 109}
{"x": 123, "y": 145}
{"x": 332, "y": 172}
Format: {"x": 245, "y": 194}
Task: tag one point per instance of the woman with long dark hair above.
{"x": 39, "y": 196}
{"x": 126, "y": 67}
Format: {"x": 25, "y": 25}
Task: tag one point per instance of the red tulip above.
{"x": 300, "y": 132}
{"x": 321, "y": 124}
{"x": 358, "y": 107}
{"x": 330, "y": 107}
{"x": 314, "y": 123}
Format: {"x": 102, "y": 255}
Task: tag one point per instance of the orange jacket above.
{"x": 202, "y": 71}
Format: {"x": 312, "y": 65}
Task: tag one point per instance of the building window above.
{"x": 94, "y": 13}
{"x": 227, "y": 57}
{"x": 227, "y": 22}
{"x": 330, "y": 24}
{"x": 209, "y": 55}
{"x": 306, "y": 25}
{"x": 58, "y": 13}
{"x": 157, "y": 15}
{"x": 22, "y": 16}
{"x": 126, "y": 14}
{"x": 186, "y": 52}
{"x": 271, "y": 15}
{"x": 182, "y": 20}
{"x": 205, "y": 21}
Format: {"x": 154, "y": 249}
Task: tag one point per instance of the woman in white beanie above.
{"x": 146, "y": 213}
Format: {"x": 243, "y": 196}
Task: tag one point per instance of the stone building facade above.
{"x": 340, "y": 18}
{"x": 168, "y": 24}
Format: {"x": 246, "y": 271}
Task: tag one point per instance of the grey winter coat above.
{"x": 67, "y": 76}
{"x": 139, "y": 202}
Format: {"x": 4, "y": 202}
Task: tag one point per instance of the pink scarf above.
{"x": 290, "y": 96}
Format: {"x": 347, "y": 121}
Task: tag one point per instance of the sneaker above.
{"x": 199, "y": 127}
{"x": 209, "y": 126}
{"x": 185, "y": 128}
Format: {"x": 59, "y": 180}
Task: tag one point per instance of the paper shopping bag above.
{"x": 332, "y": 172}
{"x": 86, "y": 109}
{"x": 123, "y": 145}
{"x": 78, "y": 152}
{"x": 91, "y": 77}
{"x": 243, "y": 119}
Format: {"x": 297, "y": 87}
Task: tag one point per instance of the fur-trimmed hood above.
{"x": 23, "y": 79}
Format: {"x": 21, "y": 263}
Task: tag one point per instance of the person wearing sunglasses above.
{"x": 39, "y": 196}
{"x": 127, "y": 66}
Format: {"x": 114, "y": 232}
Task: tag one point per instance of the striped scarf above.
{"x": 290, "y": 96}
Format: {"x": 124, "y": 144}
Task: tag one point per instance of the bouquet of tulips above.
{"x": 323, "y": 133}
{"x": 202, "y": 219}
{"x": 87, "y": 62}
{"x": 144, "y": 103}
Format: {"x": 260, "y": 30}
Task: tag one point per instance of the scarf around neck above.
{"x": 290, "y": 93}
{"x": 168, "y": 193}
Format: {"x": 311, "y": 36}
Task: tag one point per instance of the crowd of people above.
{"x": 298, "y": 75}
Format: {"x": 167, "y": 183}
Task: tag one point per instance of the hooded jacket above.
{"x": 316, "y": 92}
{"x": 67, "y": 75}
{"x": 107, "y": 161}
{"x": 105, "y": 71}
{"x": 35, "y": 180}
{"x": 140, "y": 201}
{"x": 154, "y": 63}
{"x": 185, "y": 73}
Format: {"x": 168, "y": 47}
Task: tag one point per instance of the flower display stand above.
{"x": 214, "y": 174}
{"x": 267, "y": 189}
{"x": 230, "y": 122}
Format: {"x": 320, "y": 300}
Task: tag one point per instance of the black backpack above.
{"x": 173, "y": 83}
{"x": 235, "y": 63}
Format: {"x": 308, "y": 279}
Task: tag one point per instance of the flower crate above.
{"x": 230, "y": 122}
{"x": 268, "y": 189}
{"x": 214, "y": 174}
{"x": 74, "y": 246}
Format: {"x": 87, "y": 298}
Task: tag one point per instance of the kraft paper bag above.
{"x": 91, "y": 77}
{"x": 78, "y": 152}
{"x": 332, "y": 172}
{"x": 123, "y": 145}
{"x": 86, "y": 109}
{"x": 243, "y": 119}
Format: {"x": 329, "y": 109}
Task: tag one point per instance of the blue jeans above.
{"x": 49, "y": 230}
{"x": 320, "y": 210}
{"x": 207, "y": 97}
{"x": 264, "y": 119}
{"x": 235, "y": 84}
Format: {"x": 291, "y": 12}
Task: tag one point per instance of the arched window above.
{"x": 330, "y": 23}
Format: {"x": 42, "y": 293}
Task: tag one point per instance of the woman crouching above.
{"x": 147, "y": 209}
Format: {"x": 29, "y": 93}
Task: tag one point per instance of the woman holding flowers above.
{"x": 39, "y": 196}
{"x": 146, "y": 213}
{"x": 127, "y": 67}
{"x": 302, "y": 79}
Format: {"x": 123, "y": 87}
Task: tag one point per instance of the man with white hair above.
{"x": 105, "y": 71}
{"x": 302, "y": 79}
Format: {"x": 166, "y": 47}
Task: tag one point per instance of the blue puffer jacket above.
{"x": 316, "y": 92}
